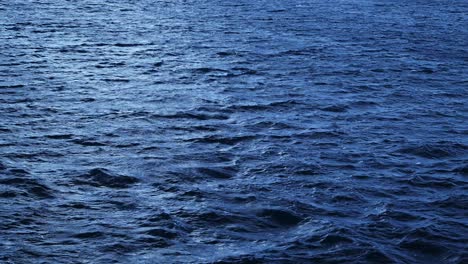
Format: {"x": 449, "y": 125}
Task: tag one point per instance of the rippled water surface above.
{"x": 213, "y": 131}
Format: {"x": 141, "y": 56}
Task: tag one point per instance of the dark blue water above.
{"x": 213, "y": 131}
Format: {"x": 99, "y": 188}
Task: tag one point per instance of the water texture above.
{"x": 215, "y": 131}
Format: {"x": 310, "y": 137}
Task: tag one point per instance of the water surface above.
{"x": 213, "y": 131}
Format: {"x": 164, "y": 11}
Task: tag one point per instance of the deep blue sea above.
{"x": 247, "y": 131}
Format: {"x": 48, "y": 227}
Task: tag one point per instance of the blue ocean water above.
{"x": 213, "y": 131}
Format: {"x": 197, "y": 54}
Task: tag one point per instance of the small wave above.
{"x": 152, "y": 242}
{"x": 436, "y": 150}
{"x": 226, "y": 53}
{"x": 221, "y": 140}
{"x": 89, "y": 235}
{"x": 463, "y": 170}
{"x": 126, "y": 45}
{"x": 212, "y": 217}
{"x": 118, "y": 80}
{"x": 161, "y": 232}
{"x": 280, "y": 217}
{"x": 335, "y": 108}
{"x": 88, "y": 143}
{"x": 320, "y": 134}
{"x": 186, "y": 115}
{"x": 454, "y": 202}
{"x": 158, "y": 64}
{"x": 218, "y": 173}
{"x": 433, "y": 182}
{"x": 60, "y": 136}
{"x": 423, "y": 242}
{"x": 73, "y": 50}
{"x": 203, "y": 173}
{"x": 207, "y": 70}
{"x": 76, "y": 205}
{"x": 103, "y": 178}
{"x": 8, "y": 194}
{"x": 29, "y": 187}
{"x": 268, "y": 106}
{"x": 12, "y": 86}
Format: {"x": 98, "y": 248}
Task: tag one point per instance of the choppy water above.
{"x": 213, "y": 131}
